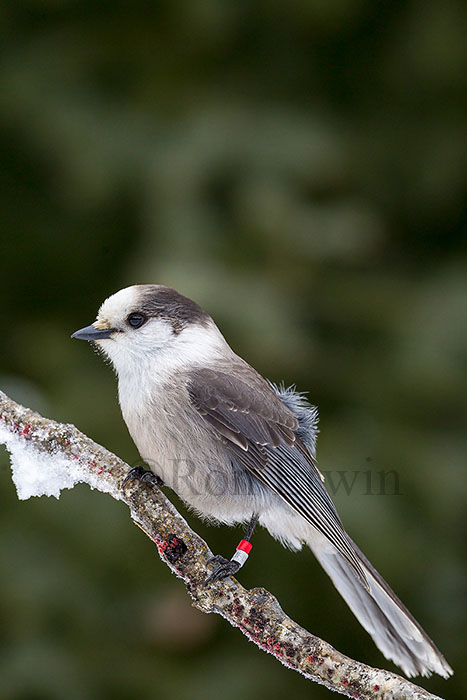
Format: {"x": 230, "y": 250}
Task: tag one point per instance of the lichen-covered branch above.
{"x": 47, "y": 456}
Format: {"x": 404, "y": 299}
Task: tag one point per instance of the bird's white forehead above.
{"x": 118, "y": 306}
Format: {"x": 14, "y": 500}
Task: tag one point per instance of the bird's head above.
{"x": 150, "y": 322}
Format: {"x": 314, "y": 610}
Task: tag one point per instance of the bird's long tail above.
{"x": 395, "y": 632}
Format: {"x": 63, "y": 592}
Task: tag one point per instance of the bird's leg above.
{"x": 145, "y": 475}
{"x": 228, "y": 567}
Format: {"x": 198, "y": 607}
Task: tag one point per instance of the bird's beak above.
{"x": 93, "y": 333}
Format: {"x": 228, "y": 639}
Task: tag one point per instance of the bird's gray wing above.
{"x": 258, "y": 428}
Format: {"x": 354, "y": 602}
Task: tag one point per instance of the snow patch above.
{"x": 39, "y": 473}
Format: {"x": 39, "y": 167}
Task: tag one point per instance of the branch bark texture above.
{"x": 255, "y": 612}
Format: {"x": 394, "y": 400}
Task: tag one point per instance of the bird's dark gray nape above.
{"x": 157, "y": 301}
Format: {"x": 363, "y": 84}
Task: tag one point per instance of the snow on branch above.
{"x": 47, "y": 457}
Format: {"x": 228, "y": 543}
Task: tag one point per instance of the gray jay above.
{"x": 237, "y": 449}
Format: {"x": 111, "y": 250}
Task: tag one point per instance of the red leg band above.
{"x": 245, "y": 546}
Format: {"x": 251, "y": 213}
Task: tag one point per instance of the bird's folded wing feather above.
{"x": 246, "y": 414}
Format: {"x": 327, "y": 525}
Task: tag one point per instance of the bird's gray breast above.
{"x": 182, "y": 450}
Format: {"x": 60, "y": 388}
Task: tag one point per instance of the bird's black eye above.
{"x": 136, "y": 320}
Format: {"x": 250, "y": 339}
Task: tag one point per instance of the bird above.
{"x": 237, "y": 449}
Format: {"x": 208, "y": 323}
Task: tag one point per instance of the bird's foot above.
{"x": 145, "y": 475}
{"x": 226, "y": 567}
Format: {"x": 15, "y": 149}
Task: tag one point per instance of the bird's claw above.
{"x": 226, "y": 567}
{"x": 141, "y": 474}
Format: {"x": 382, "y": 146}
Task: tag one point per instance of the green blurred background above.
{"x": 299, "y": 169}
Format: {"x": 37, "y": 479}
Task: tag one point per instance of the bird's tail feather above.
{"x": 394, "y": 630}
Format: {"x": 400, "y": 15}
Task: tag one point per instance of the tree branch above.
{"x": 47, "y": 456}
